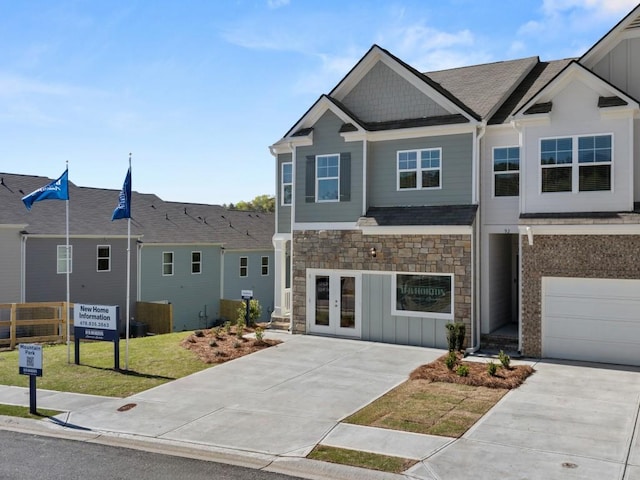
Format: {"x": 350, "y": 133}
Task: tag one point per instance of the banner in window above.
{"x": 431, "y": 294}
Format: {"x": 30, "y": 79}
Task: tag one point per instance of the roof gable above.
{"x": 628, "y": 27}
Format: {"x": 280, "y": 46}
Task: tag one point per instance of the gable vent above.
{"x": 634, "y": 24}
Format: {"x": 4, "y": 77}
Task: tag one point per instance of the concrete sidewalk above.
{"x": 269, "y": 409}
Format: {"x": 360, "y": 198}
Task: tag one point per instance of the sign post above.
{"x": 97, "y": 322}
{"x": 30, "y": 363}
{"x": 247, "y": 295}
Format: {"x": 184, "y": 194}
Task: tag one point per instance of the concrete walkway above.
{"x": 268, "y": 410}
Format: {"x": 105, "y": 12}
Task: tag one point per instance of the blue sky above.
{"x": 197, "y": 90}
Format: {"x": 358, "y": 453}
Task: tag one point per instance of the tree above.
{"x": 261, "y": 203}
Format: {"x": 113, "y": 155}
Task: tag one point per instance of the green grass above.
{"x": 435, "y": 408}
{"x": 15, "y": 411}
{"x": 372, "y": 461}
{"x": 153, "y": 361}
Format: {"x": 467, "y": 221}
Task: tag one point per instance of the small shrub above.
{"x": 462, "y": 370}
{"x": 199, "y": 333}
{"x": 240, "y": 328}
{"x": 255, "y": 312}
{"x": 492, "y": 368}
{"x": 460, "y": 332}
{"x": 505, "y": 359}
{"x": 213, "y": 343}
{"x": 227, "y": 327}
{"x": 451, "y": 336}
{"x": 259, "y": 334}
{"x": 450, "y": 360}
{"x": 455, "y": 336}
{"x": 218, "y": 332}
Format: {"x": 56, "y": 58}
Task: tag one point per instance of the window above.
{"x": 244, "y": 266}
{"x": 61, "y": 258}
{"x": 167, "y": 263}
{"x": 287, "y": 183}
{"x": 506, "y": 171}
{"x": 423, "y": 295}
{"x": 419, "y": 169}
{"x": 328, "y": 178}
{"x": 104, "y": 258}
{"x": 196, "y": 262}
{"x": 576, "y": 164}
{"x": 265, "y": 266}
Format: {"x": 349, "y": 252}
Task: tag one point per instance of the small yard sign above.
{"x": 246, "y": 294}
{"x": 97, "y": 322}
{"x": 30, "y": 359}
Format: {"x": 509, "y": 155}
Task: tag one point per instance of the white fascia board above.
{"x": 584, "y": 229}
{"x": 532, "y": 120}
{"x": 621, "y": 112}
{"x": 281, "y": 237}
{"x": 89, "y": 237}
{"x": 415, "y": 132}
{"x": 14, "y": 226}
{"x": 286, "y": 145}
{"x": 418, "y": 230}
{"x": 324, "y": 226}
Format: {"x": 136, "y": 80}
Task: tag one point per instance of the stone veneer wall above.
{"x": 588, "y": 256}
{"x": 350, "y": 250}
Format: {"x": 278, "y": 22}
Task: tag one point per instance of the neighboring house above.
{"x": 177, "y": 251}
{"x": 503, "y": 196}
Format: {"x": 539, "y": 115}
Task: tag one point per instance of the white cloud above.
{"x": 12, "y": 85}
{"x": 599, "y": 7}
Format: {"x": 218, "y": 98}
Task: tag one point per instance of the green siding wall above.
{"x": 262, "y": 285}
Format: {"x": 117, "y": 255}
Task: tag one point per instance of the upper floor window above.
{"x": 265, "y": 265}
{"x": 167, "y": 263}
{"x": 328, "y": 178}
{"x": 104, "y": 258}
{"x": 244, "y": 266}
{"x": 196, "y": 262}
{"x": 576, "y": 164}
{"x": 419, "y": 169}
{"x": 287, "y": 183}
{"x": 506, "y": 171}
{"x": 64, "y": 256}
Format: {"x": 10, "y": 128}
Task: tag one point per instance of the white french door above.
{"x": 333, "y": 301}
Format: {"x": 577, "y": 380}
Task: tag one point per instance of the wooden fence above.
{"x": 229, "y": 309}
{"x": 41, "y": 322}
{"x": 157, "y": 316}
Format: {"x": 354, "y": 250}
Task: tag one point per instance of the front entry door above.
{"x": 334, "y": 303}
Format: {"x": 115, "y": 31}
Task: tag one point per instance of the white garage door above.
{"x": 596, "y": 320}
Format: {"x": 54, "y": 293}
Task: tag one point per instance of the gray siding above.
{"x": 86, "y": 284}
{"x": 283, "y": 213}
{"x": 384, "y": 95}
{"x": 189, "y": 293}
{"x": 621, "y": 66}
{"x": 10, "y": 257}
{"x": 262, "y": 285}
{"x": 378, "y": 325}
{"x": 456, "y": 173}
{"x": 327, "y": 140}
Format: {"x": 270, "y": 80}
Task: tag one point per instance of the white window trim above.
{"x": 575, "y": 164}
{"x": 245, "y": 267}
{"x": 494, "y": 173}
{"x": 318, "y": 179}
{"x": 98, "y": 258}
{"x": 62, "y": 249}
{"x": 283, "y": 184}
{"x": 418, "y": 170}
{"x": 198, "y": 262}
{"x": 409, "y": 313}
{"x": 172, "y": 263}
{"x": 262, "y": 265}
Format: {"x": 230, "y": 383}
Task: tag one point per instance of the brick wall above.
{"x": 350, "y": 250}
{"x": 588, "y": 256}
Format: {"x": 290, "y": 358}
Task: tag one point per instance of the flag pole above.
{"x": 126, "y": 355}
{"x": 68, "y": 250}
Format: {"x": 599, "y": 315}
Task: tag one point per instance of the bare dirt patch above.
{"x": 478, "y": 375}
{"x": 219, "y": 346}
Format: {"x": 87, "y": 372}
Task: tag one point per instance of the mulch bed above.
{"x": 217, "y": 346}
{"x": 478, "y": 376}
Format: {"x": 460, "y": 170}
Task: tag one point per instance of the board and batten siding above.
{"x": 621, "y": 66}
{"x": 378, "y": 325}
{"x": 327, "y": 140}
{"x": 10, "y": 265}
{"x": 456, "y": 172}
{"x": 188, "y": 293}
{"x": 262, "y": 285}
{"x": 283, "y": 212}
{"x": 86, "y": 284}
{"x": 575, "y": 113}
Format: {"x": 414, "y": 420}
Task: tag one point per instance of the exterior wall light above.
{"x": 373, "y": 252}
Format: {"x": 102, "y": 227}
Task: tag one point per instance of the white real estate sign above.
{"x": 30, "y": 359}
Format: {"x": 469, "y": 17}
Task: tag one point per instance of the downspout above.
{"x": 23, "y": 269}
{"x": 292, "y": 219}
{"x": 364, "y": 176}
{"x": 475, "y": 241}
{"x": 518, "y": 127}
{"x": 139, "y": 270}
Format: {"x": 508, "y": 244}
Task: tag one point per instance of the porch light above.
{"x": 373, "y": 252}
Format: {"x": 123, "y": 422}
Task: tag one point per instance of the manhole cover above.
{"x": 569, "y": 465}
{"x": 126, "y": 407}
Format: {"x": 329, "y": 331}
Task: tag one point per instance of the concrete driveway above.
{"x": 568, "y": 421}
